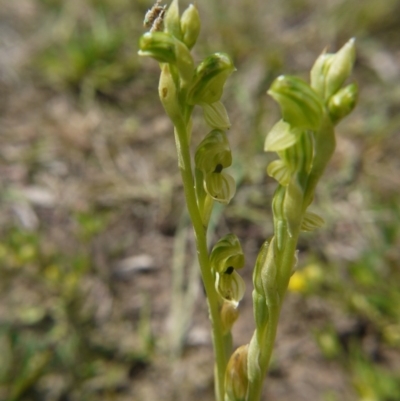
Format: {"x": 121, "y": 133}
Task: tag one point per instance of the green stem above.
{"x": 185, "y": 165}
{"x": 255, "y": 387}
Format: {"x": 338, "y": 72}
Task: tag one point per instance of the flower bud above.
{"x": 229, "y": 315}
{"x": 226, "y": 254}
{"x": 339, "y": 68}
{"x": 300, "y": 105}
{"x": 236, "y": 379}
{"x": 172, "y": 20}
{"x": 318, "y": 72}
{"x": 210, "y": 78}
{"x": 190, "y": 26}
{"x": 168, "y": 93}
{"x": 331, "y": 70}
{"x": 343, "y": 102}
{"x": 230, "y": 286}
{"x": 213, "y": 153}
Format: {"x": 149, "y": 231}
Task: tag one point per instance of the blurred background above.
{"x": 99, "y": 295}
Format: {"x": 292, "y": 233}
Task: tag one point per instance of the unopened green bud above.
{"x": 340, "y": 68}
{"x": 213, "y": 153}
{"x": 190, "y": 25}
{"x": 300, "y": 105}
{"x": 229, "y": 315}
{"x": 230, "y": 286}
{"x": 172, "y": 20}
{"x": 165, "y": 48}
{"x": 318, "y": 72}
{"x": 227, "y": 254}
{"x": 343, "y": 102}
{"x": 210, "y": 78}
{"x": 168, "y": 93}
{"x": 331, "y": 70}
{"x": 236, "y": 378}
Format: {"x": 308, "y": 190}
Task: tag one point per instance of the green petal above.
{"x": 213, "y": 152}
{"x": 216, "y": 116}
{"x": 311, "y": 221}
{"x": 210, "y": 78}
{"x": 220, "y": 186}
{"x": 279, "y": 171}
{"x": 281, "y": 136}
{"x": 230, "y": 287}
{"x": 227, "y": 253}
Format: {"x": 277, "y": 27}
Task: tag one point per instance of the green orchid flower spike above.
{"x": 303, "y": 140}
{"x": 182, "y": 87}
